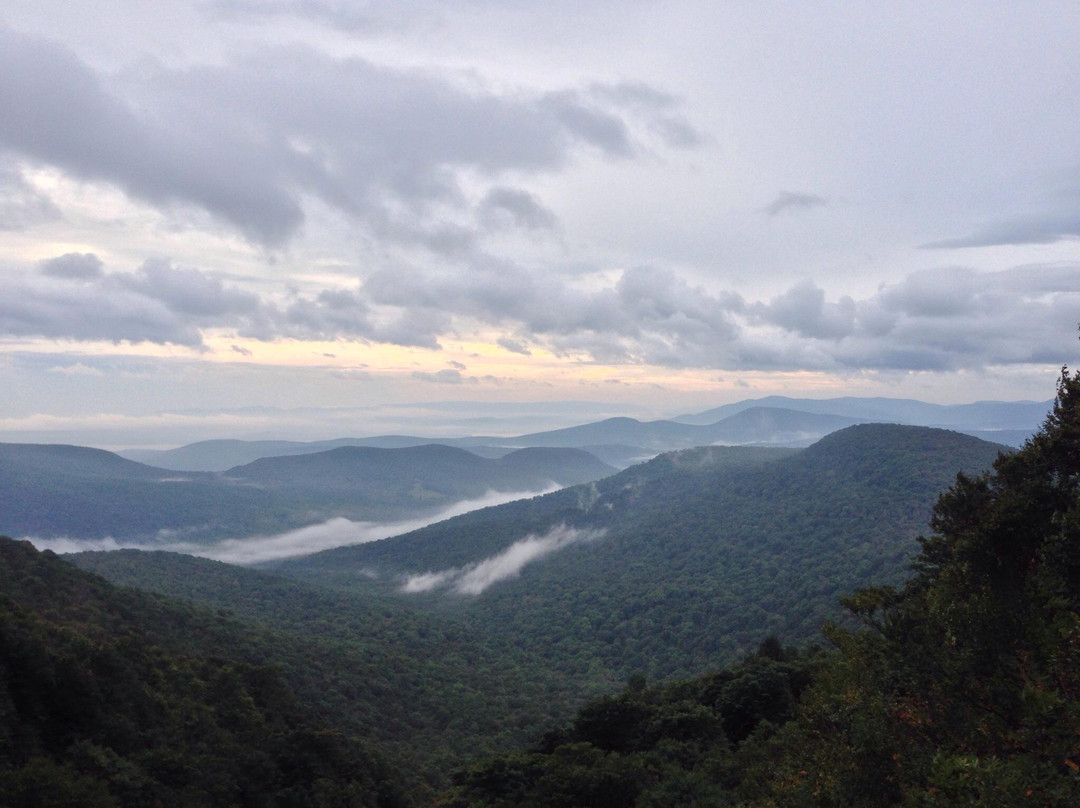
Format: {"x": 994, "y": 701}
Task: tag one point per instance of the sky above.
{"x": 318, "y": 218}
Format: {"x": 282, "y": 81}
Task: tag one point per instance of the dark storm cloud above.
{"x": 789, "y": 202}
{"x": 248, "y": 141}
{"x": 72, "y": 266}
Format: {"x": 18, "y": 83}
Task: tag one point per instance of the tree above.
{"x": 965, "y": 686}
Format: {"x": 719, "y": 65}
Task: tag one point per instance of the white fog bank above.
{"x": 338, "y": 532}
{"x": 473, "y": 579}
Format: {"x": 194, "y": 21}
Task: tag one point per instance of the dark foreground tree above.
{"x": 965, "y": 687}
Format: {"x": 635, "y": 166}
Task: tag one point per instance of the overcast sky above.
{"x": 209, "y": 206}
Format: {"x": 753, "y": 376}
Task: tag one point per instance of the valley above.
{"x": 477, "y": 634}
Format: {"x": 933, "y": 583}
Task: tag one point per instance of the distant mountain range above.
{"x": 77, "y": 492}
{"x": 682, "y": 562}
{"x": 980, "y": 415}
{"x": 621, "y": 442}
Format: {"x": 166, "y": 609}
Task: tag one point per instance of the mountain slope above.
{"x": 53, "y": 490}
{"x": 959, "y": 689}
{"x": 979, "y": 415}
{"x": 700, "y": 553}
{"x": 436, "y": 470}
{"x": 102, "y": 705}
{"x": 69, "y": 491}
{"x": 424, "y": 689}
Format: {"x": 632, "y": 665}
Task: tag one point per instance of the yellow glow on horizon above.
{"x": 484, "y": 364}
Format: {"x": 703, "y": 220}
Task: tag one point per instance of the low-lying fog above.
{"x": 473, "y": 579}
{"x": 337, "y": 532}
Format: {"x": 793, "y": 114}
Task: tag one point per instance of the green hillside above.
{"x": 700, "y": 555}
{"x": 49, "y": 491}
{"x": 108, "y": 698}
{"x": 961, "y": 688}
{"x": 425, "y": 688}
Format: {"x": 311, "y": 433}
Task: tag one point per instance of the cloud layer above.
{"x": 385, "y": 146}
{"x": 473, "y": 579}
{"x": 942, "y": 320}
{"x": 304, "y": 541}
{"x": 661, "y": 190}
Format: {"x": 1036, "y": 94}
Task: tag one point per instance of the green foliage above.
{"x": 965, "y": 689}
{"x": 72, "y": 491}
{"x": 706, "y": 551}
{"x": 95, "y": 715}
{"x": 666, "y": 746}
{"x": 425, "y": 688}
{"x": 962, "y": 687}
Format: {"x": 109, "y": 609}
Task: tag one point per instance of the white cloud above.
{"x": 304, "y": 541}
{"x": 473, "y": 579}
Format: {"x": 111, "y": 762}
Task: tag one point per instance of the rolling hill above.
{"x": 979, "y": 415}
{"x": 76, "y": 492}
{"x": 683, "y": 562}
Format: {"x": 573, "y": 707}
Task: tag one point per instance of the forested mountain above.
{"x": 979, "y": 415}
{"x": 71, "y": 491}
{"x": 433, "y": 471}
{"x": 424, "y": 691}
{"x": 680, "y": 563}
{"x": 118, "y": 698}
{"x": 961, "y": 688}
{"x": 55, "y": 490}
{"x": 757, "y": 426}
{"x": 621, "y": 442}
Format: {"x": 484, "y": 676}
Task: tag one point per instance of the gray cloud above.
{"x": 1029, "y": 230}
{"x": 73, "y": 299}
{"x": 941, "y": 319}
{"x": 349, "y": 16}
{"x": 793, "y": 202}
{"x": 72, "y": 266}
{"x": 658, "y": 110}
{"x": 22, "y": 206}
{"x": 503, "y": 208}
{"x": 57, "y": 110}
{"x": 384, "y": 145}
{"x": 513, "y": 346}
{"x": 803, "y": 310}
{"x": 445, "y": 376}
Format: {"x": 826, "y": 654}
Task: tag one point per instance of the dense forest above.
{"x": 701, "y": 553}
{"x": 101, "y": 704}
{"x": 77, "y": 492}
{"x": 962, "y": 687}
{"x": 957, "y": 685}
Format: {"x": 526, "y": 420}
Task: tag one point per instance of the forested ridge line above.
{"x": 961, "y": 688}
